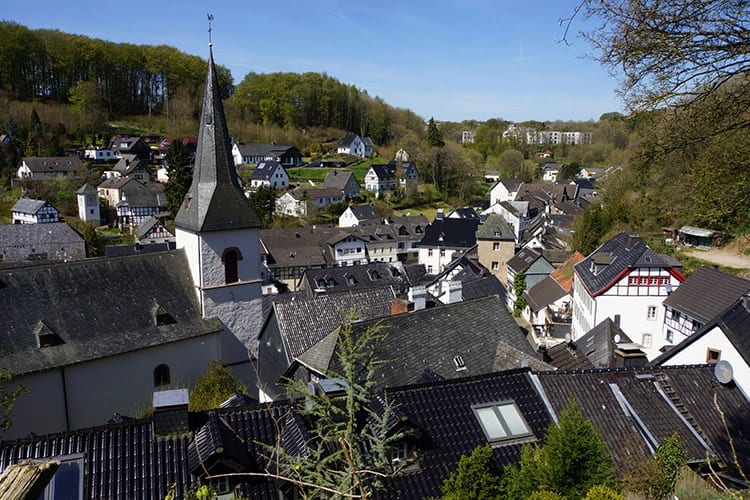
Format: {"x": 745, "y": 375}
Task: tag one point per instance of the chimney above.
{"x": 399, "y": 306}
{"x": 439, "y": 214}
{"x": 451, "y": 291}
{"x": 617, "y": 319}
{"x": 170, "y": 412}
{"x": 418, "y": 296}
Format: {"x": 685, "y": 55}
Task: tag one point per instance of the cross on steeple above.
{"x": 210, "y": 18}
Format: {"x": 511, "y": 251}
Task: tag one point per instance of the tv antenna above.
{"x": 210, "y": 18}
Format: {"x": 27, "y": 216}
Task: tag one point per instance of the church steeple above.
{"x": 215, "y": 201}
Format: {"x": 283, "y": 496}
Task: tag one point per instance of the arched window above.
{"x": 161, "y": 375}
{"x": 230, "y": 257}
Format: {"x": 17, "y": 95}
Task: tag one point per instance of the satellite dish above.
{"x": 723, "y": 371}
{"x": 617, "y": 338}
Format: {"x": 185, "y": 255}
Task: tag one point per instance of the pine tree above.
{"x": 180, "y": 172}
{"x": 434, "y": 137}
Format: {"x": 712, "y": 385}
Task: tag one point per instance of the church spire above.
{"x": 215, "y": 201}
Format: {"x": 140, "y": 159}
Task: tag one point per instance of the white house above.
{"x": 358, "y": 215}
{"x": 88, "y": 204}
{"x": 307, "y": 201}
{"x": 504, "y": 190}
{"x": 352, "y": 144}
{"x": 28, "y": 211}
{"x": 443, "y": 238}
{"x": 97, "y": 154}
{"x": 702, "y": 297}
{"x": 625, "y": 279}
{"x": 43, "y": 167}
{"x": 269, "y": 173}
{"x": 722, "y": 341}
{"x": 387, "y": 177}
{"x": 348, "y": 249}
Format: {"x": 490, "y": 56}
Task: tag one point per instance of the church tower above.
{"x": 219, "y": 232}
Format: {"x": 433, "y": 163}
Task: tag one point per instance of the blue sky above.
{"x": 447, "y": 59}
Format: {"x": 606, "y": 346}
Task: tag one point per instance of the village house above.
{"x": 387, "y": 177}
{"x": 126, "y": 145}
{"x": 40, "y": 168}
{"x": 138, "y": 203}
{"x": 130, "y": 166}
{"x": 624, "y": 277}
{"x": 87, "y": 197}
{"x": 360, "y": 215}
{"x": 154, "y": 230}
{"x": 722, "y": 343}
{"x": 344, "y": 181}
{"x": 288, "y": 331}
{"x": 351, "y": 144}
{"x": 28, "y": 211}
{"x": 254, "y": 153}
{"x": 496, "y": 244}
{"x": 443, "y": 238}
{"x": 269, "y": 173}
{"x": 699, "y": 299}
{"x": 98, "y": 154}
{"x": 307, "y": 201}
{"x": 530, "y": 264}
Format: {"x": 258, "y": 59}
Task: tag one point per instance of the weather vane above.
{"x": 210, "y": 18}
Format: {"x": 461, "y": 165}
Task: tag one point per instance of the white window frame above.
{"x": 503, "y": 430}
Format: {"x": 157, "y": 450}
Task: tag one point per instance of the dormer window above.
{"x": 502, "y": 421}
{"x": 459, "y": 362}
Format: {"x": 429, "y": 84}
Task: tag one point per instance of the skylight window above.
{"x": 501, "y": 421}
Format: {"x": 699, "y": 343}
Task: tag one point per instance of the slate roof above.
{"x": 655, "y": 402}
{"x": 451, "y": 233}
{"x": 127, "y": 164}
{"x": 263, "y": 149}
{"x": 111, "y": 318}
{"x": 495, "y": 228}
{"x": 543, "y": 294}
{"x": 54, "y": 164}
{"x": 312, "y": 193}
{"x": 87, "y": 189}
{"x": 151, "y": 223}
{"x": 29, "y": 206}
{"x": 443, "y": 410}
{"x": 734, "y": 322}
{"x": 365, "y": 212}
{"x": 138, "y": 195}
{"x": 360, "y": 277}
{"x": 706, "y": 293}
{"x": 297, "y": 247}
{"x": 433, "y": 337}
{"x": 524, "y": 258}
{"x": 347, "y": 140}
{"x": 567, "y": 356}
{"x": 338, "y": 180}
{"x": 601, "y": 344}
{"x": 138, "y": 248}
{"x": 304, "y": 322}
{"x": 464, "y": 213}
{"x": 617, "y": 255}
{"x": 117, "y": 183}
{"x": 264, "y": 170}
{"x": 17, "y": 240}
{"x": 215, "y": 200}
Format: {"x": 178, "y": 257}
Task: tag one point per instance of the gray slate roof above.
{"x": 432, "y": 338}
{"x": 706, "y": 293}
{"x": 97, "y": 307}
{"x": 265, "y": 170}
{"x": 304, "y": 322}
{"x": 215, "y": 201}
{"x": 495, "y": 228}
{"x": 614, "y": 256}
{"x": 18, "y": 240}
{"x": 365, "y": 212}
{"x": 543, "y": 294}
{"x": 336, "y": 179}
{"x": 29, "y": 206}
{"x": 54, "y": 164}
